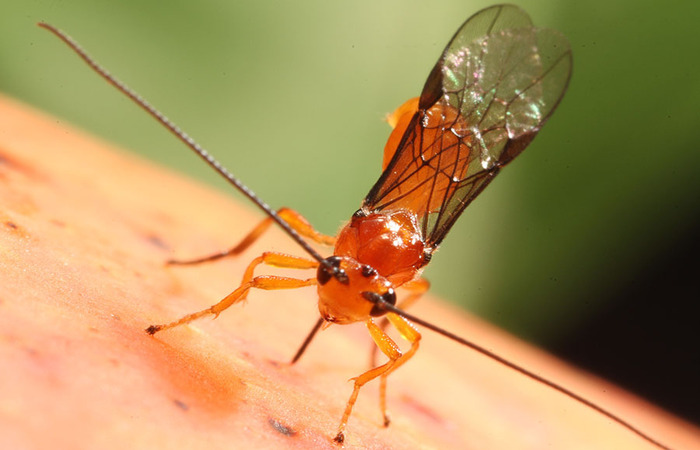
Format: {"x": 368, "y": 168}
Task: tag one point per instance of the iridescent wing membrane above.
{"x": 495, "y": 85}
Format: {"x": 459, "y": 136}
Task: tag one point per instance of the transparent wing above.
{"x": 495, "y": 85}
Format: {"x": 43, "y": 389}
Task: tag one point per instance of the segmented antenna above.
{"x": 188, "y": 141}
{"x": 379, "y": 302}
{"x": 383, "y": 304}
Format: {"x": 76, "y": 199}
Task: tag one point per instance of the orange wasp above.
{"x": 495, "y": 85}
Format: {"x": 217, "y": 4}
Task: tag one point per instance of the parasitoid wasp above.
{"x": 494, "y": 86}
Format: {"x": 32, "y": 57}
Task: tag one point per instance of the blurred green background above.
{"x": 291, "y": 96}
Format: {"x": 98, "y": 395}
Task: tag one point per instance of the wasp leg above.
{"x": 267, "y": 282}
{"x": 293, "y": 218}
{"x": 396, "y": 359}
{"x": 408, "y": 332}
{"x": 416, "y": 289}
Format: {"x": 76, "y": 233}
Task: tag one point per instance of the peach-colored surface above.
{"x": 84, "y": 233}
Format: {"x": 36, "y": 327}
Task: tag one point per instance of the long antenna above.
{"x": 189, "y": 142}
{"x": 383, "y": 304}
{"x": 339, "y": 274}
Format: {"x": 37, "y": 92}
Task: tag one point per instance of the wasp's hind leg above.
{"x": 293, "y": 218}
{"x": 396, "y": 359}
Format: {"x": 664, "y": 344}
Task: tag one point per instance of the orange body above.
{"x": 493, "y": 87}
{"x": 382, "y": 250}
{"x": 482, "y": 104}
{"x": 378, "y": 252}
{"x": 388, "y": 242}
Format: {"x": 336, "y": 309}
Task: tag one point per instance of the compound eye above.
{"x": 388, "y": 297}
{"x": 324, "y": 273}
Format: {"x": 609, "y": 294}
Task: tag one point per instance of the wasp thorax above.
{"x": 351, "y": 297}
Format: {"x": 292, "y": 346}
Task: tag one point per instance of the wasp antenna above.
{"x": 386, "y": 306}
{"x": 307, "y": 341}
{"x": 184, "y": 138}
{"x": 413, "y": 194}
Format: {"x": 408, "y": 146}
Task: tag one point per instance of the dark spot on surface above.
{"x": 14, "y": 228}
{"x": 182, "y": 405}
{"x": 157, "y": 242}
{"x": 281, "y": 428}
{"x": 153, "y": 329}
